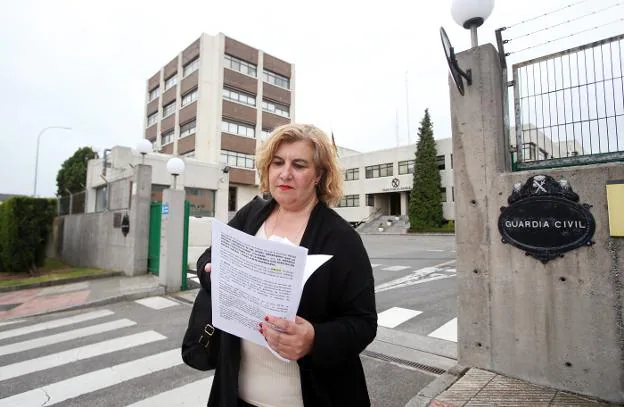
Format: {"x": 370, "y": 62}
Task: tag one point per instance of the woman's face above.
{"x": 293, "y": 175}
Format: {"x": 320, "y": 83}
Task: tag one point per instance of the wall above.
{"x": 558, "y": 324}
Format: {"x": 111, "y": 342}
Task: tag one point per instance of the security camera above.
{"x": 226, "y": 169}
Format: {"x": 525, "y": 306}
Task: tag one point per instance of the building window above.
{"x": 380, "y": 170}
{"x": 152, "y": 119}
{"x": 238, "y": 129}
{"x": 349, "y": 201}
{"x": 190, "y": 154}
{"x": 276, "y": 79}
{"x": 171, "y": 81}
{"x": 239, "y": 65}
{"x": 202, "y": 201}
{"x": 239, "y": 97}
{"x": 188, "y": 128}
{"x": 166, "y": 138}
{"x": 155, "y": 145}
{"x": 406, "y": 167}
{"x": 154, "y": 93}
{"x": 189, "y": 97}
{"x": 352, "y": 174}
{"x": 101, "y": 195}
{"x": 440, "y": 162}
{"x": 370, "y": 200}
{"x": 240, "y": 160}
{"x": 265, "y": 134}
{"x": 190, "y": 67}
{"x": 169, "y": 109}
{"x": 276, "y": 108}
{"x": 451, "y": 161}
{"x": 443, "y": 194}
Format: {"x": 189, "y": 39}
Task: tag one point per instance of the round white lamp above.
{"x": 471, "y": 14}
{"x": 144, "y": 147}
{"x": 175, "y": 166}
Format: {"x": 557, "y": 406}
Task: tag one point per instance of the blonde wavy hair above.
{"x": 329, "y": 189}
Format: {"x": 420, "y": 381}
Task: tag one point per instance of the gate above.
{"x": 153, "y": 259}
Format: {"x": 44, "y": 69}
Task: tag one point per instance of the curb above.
{"x": 436, "y": 387}
{"x": 137, "y": 295}
{"x": 62, "y": 281}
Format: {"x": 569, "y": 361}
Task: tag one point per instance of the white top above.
{"x": 263, "y": 379}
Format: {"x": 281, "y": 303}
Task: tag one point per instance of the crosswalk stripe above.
{"x": 81, "y": 353}
{"x": 11, "y": 322}
{"x": 89, "y": 382}
{"x": 156, "y": 303}
{"x": 395, "y": 268}
{"x": 395, "y": 316}
{"x": 375, "y": 265}
{"x": 192, "y": 394}
{"x": 65, "y": 336}
{"x": 57, "y": 323}
{"x": 447, "y": 331}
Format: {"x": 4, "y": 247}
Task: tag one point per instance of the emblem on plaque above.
{"x": 545, "y": 219}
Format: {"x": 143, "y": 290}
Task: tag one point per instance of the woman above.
{"x": 336, "y": 318}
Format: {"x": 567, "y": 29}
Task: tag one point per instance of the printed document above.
{"x": 253, "y": 277}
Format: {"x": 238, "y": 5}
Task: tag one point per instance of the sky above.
{"x": 359, "y": 65}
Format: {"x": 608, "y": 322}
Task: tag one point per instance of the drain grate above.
{"x": 415, "y": 365}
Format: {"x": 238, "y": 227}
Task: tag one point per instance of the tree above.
{"x": 72, "y": 176}
{"x": 425, "y": 205}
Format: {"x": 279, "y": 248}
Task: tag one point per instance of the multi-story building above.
{"x": 214, "y": 101}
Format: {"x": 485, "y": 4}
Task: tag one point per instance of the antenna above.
{"x": 409, "y": 138}
{"x": 396, "y": 128}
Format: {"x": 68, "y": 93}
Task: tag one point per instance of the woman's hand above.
{"x": 208, "y": 267}
{"x": 292, "y": 340}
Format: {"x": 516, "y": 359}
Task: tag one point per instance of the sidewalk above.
{"x": 476, "y": 387}
{"x": 62, "y": 297}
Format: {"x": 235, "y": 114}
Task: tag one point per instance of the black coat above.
{"x": 338, "y": 300}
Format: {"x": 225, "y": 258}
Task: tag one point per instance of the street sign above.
{"x": 545, "y": 219}
{"x": 165, "y": 209}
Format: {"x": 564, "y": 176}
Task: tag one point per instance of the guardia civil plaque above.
{"x": 545, "y": 219}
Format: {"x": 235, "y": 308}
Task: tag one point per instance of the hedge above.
{"x": 25, "y": 225}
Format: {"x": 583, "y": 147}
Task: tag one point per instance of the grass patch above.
{"x": 54, "y": 264}
{"x": 448, "y": 227}
{"x": 13, "y": 281}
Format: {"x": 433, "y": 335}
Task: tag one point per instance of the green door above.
{"x": 153, "y": 251}
{"x": 187, "y": 208}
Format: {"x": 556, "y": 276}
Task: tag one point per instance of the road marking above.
{"x": 435, "y": 250}
{"x": 156, "y": 302}
{"x": 81, "y": 353}
{"x": 423, "y": 275}
{"x": 57, "y": 323}
{"x": 375, "y": 265}
{"x": 192, "y": 394}
{"x": 89, "y": 382}
{"x": 395, "y": 268}
{"x": 447, "y": 331}
{"x": 395, "y": 316}
{"x": 65, "y": 336}
{"x": 11, "y": 322}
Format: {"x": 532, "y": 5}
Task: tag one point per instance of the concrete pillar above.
{"x": 141, "y": 197}
{"x": 405, "y": 203}
{"x": 558, "y": 324}
{"x": 172, "y": 239}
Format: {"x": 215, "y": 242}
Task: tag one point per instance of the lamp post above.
{"x": 175, "y": 166}
{"x": 37, "y": 155}
{"x": 144, "y": 147}
{"x": 471, "y": 14}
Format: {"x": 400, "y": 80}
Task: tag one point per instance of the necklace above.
{"x": 299, "y": 232}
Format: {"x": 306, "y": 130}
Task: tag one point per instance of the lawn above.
{"x": 52, "y": 270}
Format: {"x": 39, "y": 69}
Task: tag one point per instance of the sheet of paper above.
{"x": 251, "y": 278}
{"x": 313, "y": 261}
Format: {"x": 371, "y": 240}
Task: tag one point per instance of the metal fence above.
{"x": 569, "y": 106}
{"x": 71, "y": 204}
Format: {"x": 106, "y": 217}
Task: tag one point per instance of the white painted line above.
{"x": 65, "y": 336}
{"x": 447, "y": 331}
{"x": 395, "y": 268}
{"x": 57, "y": 323}
{"x": 435, "y": 250}
{"x": 156, "y": 302}
{"x": 17, "y": 321}
{"x": 395, "y": 316}
{"x": 451, "y": 271}
{"x": 89, "y": 382}
{"x": 192, "y": 394}
{"x": 375, "y": 265}
{"x": 81, "y": 353}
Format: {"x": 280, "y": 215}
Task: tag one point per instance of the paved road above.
{"x": 128, "y": 354}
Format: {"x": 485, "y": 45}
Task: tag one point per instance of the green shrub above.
{"x": 25, "y": 225}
